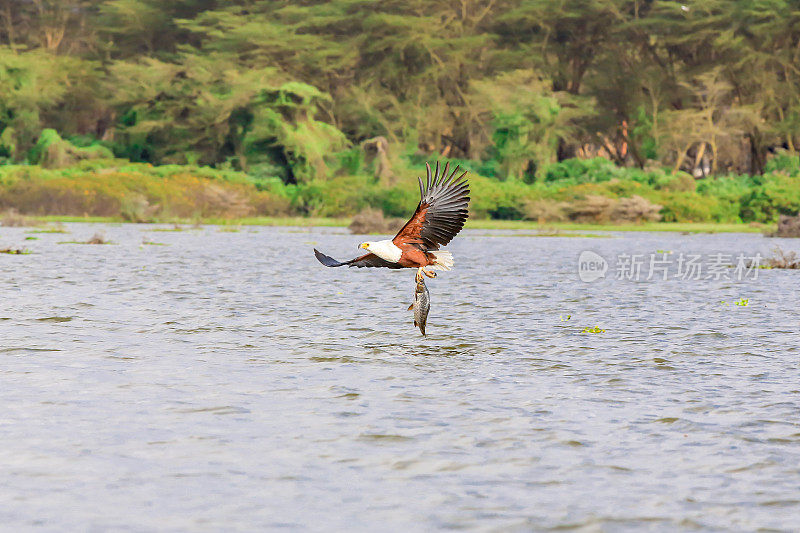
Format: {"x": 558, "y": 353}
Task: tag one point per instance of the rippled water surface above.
{"x": 228, "y": 381}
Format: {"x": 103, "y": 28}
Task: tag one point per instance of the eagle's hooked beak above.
{"x": 364, "y": 245}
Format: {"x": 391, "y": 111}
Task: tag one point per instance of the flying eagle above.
{"x": 440, "y": 215}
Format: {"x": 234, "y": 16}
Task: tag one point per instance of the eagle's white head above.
{"x": 383, "y": 249}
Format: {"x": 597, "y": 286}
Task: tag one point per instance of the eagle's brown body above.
{"x": 414, "y": 257}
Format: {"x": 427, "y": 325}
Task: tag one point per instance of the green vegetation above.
{"x": 595, "y": 329}
{"x": 485, "y": 224}
{"x": 15, "y": 251}
{"x": 741, "y": 302}
{"x": 139, "y": 192}
{"x": 53, "y": 230}
{"x": 590, "y": 112}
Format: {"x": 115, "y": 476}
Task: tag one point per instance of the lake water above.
{"x": 228, "y": 381}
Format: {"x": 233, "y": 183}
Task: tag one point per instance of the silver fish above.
{"x": 421, "y": 305}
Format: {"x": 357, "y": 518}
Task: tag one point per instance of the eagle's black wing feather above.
{"x": 366, "y": 260}
{"x": 443, "y": 208}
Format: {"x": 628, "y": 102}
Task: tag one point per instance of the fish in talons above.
{"x": 421, "y": 304}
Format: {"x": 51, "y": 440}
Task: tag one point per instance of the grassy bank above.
{"x": 245, "y": 221}
{"x": 573, "y": 194}
{"x": 478, "y": 224}
{"x": 682, "y": 227}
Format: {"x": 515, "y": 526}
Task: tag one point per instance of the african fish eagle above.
{"x": 440, "y": 215}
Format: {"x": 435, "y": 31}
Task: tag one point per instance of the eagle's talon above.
{"x": 421, "y": 271}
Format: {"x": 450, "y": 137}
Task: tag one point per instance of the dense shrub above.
{"x": 785, "y": 162}
{"x": 542, "y": 210}
{"x": 635, "y": 209}
{"x": 688, "y": 207}
{"x": 679, "y": 182}
{"x": 340, "y": 196}
{"x": 135, "y": 192}
{"x": 500, "y": 199}
{"x": 51, "y": 151}
{"x": 773, "y": 195}
{"x": 604, "y": 193}
{"x": 398, "y": 201}
{"x": 582, "y": 171}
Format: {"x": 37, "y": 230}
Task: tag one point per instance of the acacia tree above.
{"x": 187, "y": 78}
{"x": 748, "y": 44}
{"x": 59, "y": 26}
{"x": 528, "y": 119}
{"x": 426, "y": 53}
{"x": 712, "y": 125}
{"x": 560, "y": 38}
{"x": 40, "y": 89}
{"x": 203, "y": 110}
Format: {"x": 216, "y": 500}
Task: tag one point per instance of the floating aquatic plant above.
{"x": 51, "y": 229}
{"x": 744, "y": 302}
{"x": 175, "y": 227}
{"x": 15, "y": 251}
{"x": 595, "y": 329}
{"x": 97, "y": 238}
{"x": 563, "y": 318}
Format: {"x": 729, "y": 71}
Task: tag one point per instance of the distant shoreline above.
{"x": 680, "y": 227}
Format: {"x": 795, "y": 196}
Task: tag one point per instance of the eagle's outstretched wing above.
{"x": 366, "y": 260}
{"x": 442, "y": 210}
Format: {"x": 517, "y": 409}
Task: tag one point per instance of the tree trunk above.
{"x": 758, "y": 153}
